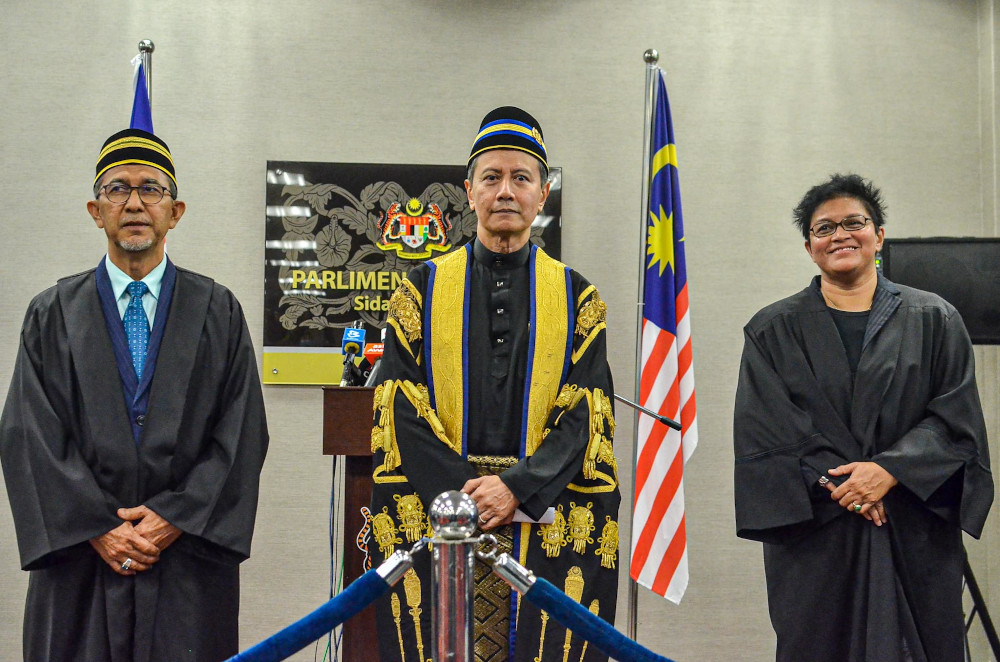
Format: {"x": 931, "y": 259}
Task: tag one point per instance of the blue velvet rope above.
{"x": 362, "y": 592}
{"x": 578, "y": 618}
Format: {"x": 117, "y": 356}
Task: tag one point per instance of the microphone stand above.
{"x": 669, "y": 422}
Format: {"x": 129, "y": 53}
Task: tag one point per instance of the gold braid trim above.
{"x": 582, "y": 349}
{"x": 384, "y": 433}
{"x": 420, "y": 398}
{"x": 602, "y": 431}
{"x": 601, "y": 413}
{"x": 609, "y": 484}
{"x": 505, "y": 461}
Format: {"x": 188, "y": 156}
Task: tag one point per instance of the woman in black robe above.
{"x": 861, "y": 449}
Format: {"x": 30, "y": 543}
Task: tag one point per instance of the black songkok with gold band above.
{"x": 135, "y": 147}
{"x": 508, "y": 127}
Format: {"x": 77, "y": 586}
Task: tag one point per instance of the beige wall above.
{"x": 768, "y": 98}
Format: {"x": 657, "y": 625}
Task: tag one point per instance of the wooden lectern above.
{"x": 347, "y": 431}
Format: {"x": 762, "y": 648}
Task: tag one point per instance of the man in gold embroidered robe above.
{"x": 497, "y": 384}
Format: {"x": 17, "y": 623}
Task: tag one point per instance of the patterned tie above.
{"x": 137, "y": 326}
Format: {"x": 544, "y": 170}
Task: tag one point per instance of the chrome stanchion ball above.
{"x": 453, "y": 515}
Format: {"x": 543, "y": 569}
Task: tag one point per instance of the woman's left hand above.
{"x": 867, "y": 484}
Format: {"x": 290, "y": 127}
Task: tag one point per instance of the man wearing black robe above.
{"x": 133, "y": 474}
{"x": 823, "y": 391}
{"x": 497, "y": 384}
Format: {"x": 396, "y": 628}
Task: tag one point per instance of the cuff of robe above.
{"x": 530, "y": 505}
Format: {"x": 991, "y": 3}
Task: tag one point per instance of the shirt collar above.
{"x": 120, "y": 279}
{"x": 488, "y": 258}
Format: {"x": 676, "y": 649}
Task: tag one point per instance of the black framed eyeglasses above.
{"x": 119, "y": 193}
{"x": 851, "y": 223}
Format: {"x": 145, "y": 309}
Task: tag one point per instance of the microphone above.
{"x": 373, "y": 355}
{"x": 353, "y": 341}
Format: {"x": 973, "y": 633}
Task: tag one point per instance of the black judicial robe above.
{"x": 70, "y": 461}
{"x": 840, "y": 588}
{"x": 541, "y": 399}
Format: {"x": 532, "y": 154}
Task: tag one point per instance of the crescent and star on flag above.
{"x": 660, "y": 231}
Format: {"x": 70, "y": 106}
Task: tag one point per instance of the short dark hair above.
{"x": 840, "y": 186}
{"x": 543, "y": 172}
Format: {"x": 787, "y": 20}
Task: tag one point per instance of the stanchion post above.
{"x": 453, "y": 518}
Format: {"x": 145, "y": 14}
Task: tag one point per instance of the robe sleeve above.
{"x": 778, "y": 453}
{"x": 949, "y": 444}
{"x": 217, "y": 499}
{"x": 430, "y": 464}
{"x": 55, "y": 500}
{"x": 538, "y": 479}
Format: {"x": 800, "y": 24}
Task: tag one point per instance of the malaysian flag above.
{"x": 659, "y": 541}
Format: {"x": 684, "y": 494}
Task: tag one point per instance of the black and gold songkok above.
{"x": 135, "y": 147}
{"x": 509, "y": 127}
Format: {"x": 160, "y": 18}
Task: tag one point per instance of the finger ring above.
{"x": 483, "y": 520}
{"x": 127, "y": 564}
{"x": 857, "y": 507}
{"x": 823, "y": 480}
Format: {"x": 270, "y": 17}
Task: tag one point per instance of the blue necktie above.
{"x": 137, "y": 326}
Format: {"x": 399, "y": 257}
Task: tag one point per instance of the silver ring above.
{"x": 127, "y": 564}
{"x": 823, "y": 480}
{"x": 483, "y": 520}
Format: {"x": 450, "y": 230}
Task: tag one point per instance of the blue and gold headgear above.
{"x": 508, "y": 127}
{"x": 135, "y": 146}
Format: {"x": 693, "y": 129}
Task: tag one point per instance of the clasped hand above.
{"x": 141, "y": 537}
{"x": 867, "y": 485}
{"x": 496, "y": 503}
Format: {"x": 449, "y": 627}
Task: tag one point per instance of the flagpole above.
{"x": 146, "y": 48}
{"x": 651, "y": 58}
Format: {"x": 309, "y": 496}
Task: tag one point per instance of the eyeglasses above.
{"x": 148, "y": 193}
{"x": 851, "y": 223}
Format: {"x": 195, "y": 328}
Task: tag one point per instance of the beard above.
{"x": 134, "y": 245}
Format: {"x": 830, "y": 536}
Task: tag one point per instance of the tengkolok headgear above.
{"x": 508, "y": 127}
{"x": 135, "y": 146}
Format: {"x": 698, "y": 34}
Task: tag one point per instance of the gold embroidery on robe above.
{"x": 581, "y": 523}
{"x": 553, "y": 306}
{"x": 410, "y": 511}
{"x": 445, "y": 301}
{"x": 385, "y": 532}
{"x": 574, "y": 590}
{"x": 419, "y": 397}
{"x": 599, "y": 447}
{"x": 404, "y": 315}
{"x": 411, "y": 586}
{"x": 397, "y": 619}
{"x": 554, "y": 534}
{"x": 608, "y": 543}
{"x": 384, "y": 434}
{"x": 590, "y": 321}
{"x": 591, "y": 314}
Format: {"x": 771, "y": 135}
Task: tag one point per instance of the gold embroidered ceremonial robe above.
{"x": 497, "y": 364}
